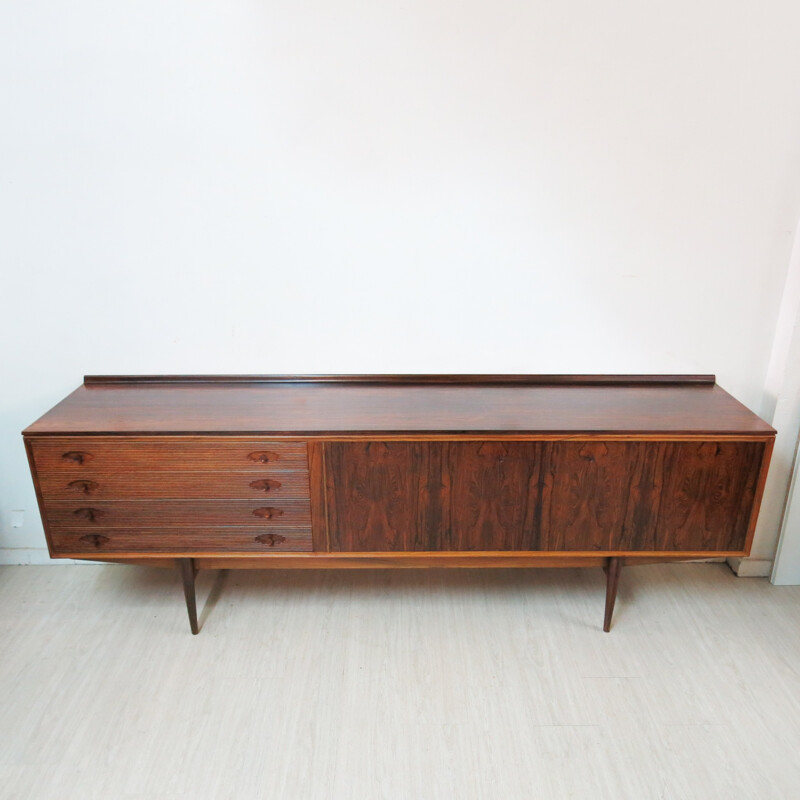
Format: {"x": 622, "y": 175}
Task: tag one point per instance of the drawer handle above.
{"x": 265, "y": 485}
{"x": 89, "y": 514}
{"x": 85, "y": 487}
{"x": 263, "y": 456}
{"x": 268, "y": 512}
{"x": 76, "y": 457}
{"x": 270, "y": 539}
{"x": 93, "y": 538}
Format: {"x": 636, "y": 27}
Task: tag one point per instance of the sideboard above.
{"x": 321, "y": 471}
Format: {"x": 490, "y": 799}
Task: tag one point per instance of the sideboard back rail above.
{"x": 415, "y": 380}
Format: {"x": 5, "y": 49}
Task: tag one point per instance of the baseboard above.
{"x": 751, "y": 567}
{"x": 33, "y": 556}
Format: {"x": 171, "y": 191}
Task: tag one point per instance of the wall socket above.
{"x": 17, "y": 517}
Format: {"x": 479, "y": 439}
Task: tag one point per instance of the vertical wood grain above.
{"x": 493, "y": 497}
{"x": 708, "y": 491}
{"x": 421, "y": 496}
{"x": 556, "y": 496}
{"x": 761, "y": 483}
{"x": 585, "y": 494}
{"x": 316, "y": 479}
{"x": 643, "y": 500}
{"x": 382, "y": 496}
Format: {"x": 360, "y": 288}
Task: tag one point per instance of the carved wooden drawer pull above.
{"x": 270, "y": 539}
{"x": 84, "y": 487}
{"x": 263, "y": 456}
{"x": 267, "y": 512}
{"x": 265, "y": 485}
{"x": 76, "y": 457}
{"x": 89, "y": 514}
{"x": 94, "y": 539}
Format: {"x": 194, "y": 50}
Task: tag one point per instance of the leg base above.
{"x": 612, "y": 570}
{"x": 188, "y": 573}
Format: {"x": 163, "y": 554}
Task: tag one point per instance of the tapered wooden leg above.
{"x": 188, "y": 573}
{"x": 612, "y": 570}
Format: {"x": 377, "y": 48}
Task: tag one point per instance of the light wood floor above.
{"x": 402, "y": 684}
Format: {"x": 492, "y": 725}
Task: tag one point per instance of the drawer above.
{"x": 170, "y": 540}
{"x": 76, "y": 455}
{"x": 65, "y": 514}
{"x": 93, "y": 485}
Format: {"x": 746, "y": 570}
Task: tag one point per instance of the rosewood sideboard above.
{"x": 398, "y": 471}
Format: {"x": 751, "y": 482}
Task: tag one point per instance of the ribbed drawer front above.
{"x": 62, "y": 514}
{"x": 172, "y": 540}
{"x": 94, "y": 485}
{"x": 78, "y": 456}
{"x": 179, "y": 494}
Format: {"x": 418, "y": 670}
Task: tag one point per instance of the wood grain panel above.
{"x": 62, "y": 514}
{"x": 761, "y": 483}
{"x": 75, "y": 455}
{"x": 585, "y": 493}
{"x": 94, "y": 485}
{"x": 319, "y": 512}
{"x": 490, "y": 494}
{"x": 422, "y": 496}
{"x": 67, "y": 543}
{"x": 708, "y": 492}
{"x": 649, "y": 496}
{"x": 383, "y": 495}
{"x": 587, "y": 496}
{"x": 643, "y": 498}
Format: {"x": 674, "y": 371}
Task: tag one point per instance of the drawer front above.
{"x": 77, "y": 456}
{"x": 94, "y": 485}
{"x": 64, "y": 514}
{"x": 169, "y": 540}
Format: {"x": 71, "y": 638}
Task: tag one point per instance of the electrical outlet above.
{"x": 17, "y": 517}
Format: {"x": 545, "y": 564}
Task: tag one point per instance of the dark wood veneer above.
{"x": 398, "y": 471}
{"x": 549, "y": 496}
{"x": 158, "y": 485}
{"x": 263, "y": 457}
{"x": 176, "y": 513}
{"x": 563, "y": 405}
{"x": 251, "y": 541}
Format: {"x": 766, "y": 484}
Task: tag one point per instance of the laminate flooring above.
{"x": 403, "y": 684}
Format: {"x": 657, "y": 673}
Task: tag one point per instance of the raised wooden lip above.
{"x": 644, "y": 435}
{"x": 412, "y": 380}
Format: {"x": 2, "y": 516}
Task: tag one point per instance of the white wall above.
{"x": 781, "y": 406}
{"x": 232, "y": 186}
{"x": 783, "y": 383}
{"x": 787, "y": 558}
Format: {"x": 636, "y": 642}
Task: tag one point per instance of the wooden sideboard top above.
{"x": 397, "y": 404}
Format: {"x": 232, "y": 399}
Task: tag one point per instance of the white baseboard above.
{"x": 24, "y": 555}
{"x": 751, "y": 567}
{"x": 34, "y": 556}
